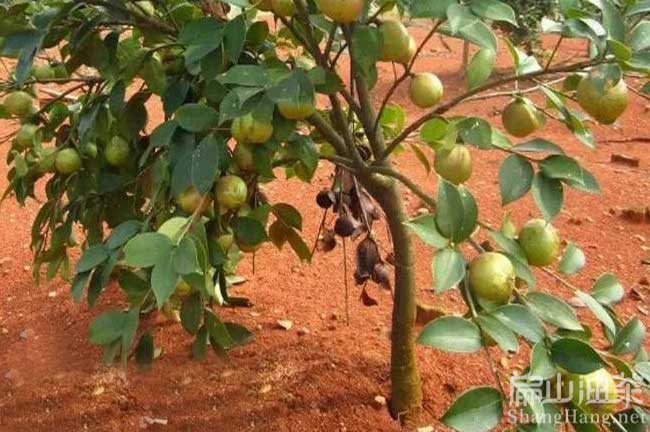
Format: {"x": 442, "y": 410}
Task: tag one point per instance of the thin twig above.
{"x": 490, "y": 85}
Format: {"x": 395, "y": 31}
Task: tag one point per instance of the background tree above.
{"x": 169, "y": 212}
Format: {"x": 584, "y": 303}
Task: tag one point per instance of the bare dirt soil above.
{"x": 322, "y": 378}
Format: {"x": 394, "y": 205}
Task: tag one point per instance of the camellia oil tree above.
{"x": 167, "y": 209}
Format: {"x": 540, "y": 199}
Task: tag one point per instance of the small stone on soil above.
{"x": 379, "y": 401}
{"x": 285, "y": 324}
{"x": 265, "y": 389}
{"x": 303, "y": 331}
{"x": 644, "y": 281}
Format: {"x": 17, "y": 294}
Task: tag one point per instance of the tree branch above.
{"x": 490, "y": 85}
{"x": 417, "y": 190}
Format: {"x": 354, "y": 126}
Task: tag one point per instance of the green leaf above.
{"x": 111, "y": 326}
{"x": 477, "y": 410}
{"x": 598, "y": 310}
{"x": 573, "y": 260}
{"x": 629, "y": 338}
{"x": 191, "y": 311}
{"x": 235, "y": 37}
{"x": 184, "y": 257}
{"x": 475, "y": 131}
{"x": 480, "y": 68}
{"x": 607, "y": 289}
{"x": 563, "y": 168}
{"x": 548, "y": 194}
{"x": 92, "y": 257}
{"x": 146, "y": 250}
{"x": 425, "y": 228}
{"x": 538, "y": 145}
{"x": 201, "y": 37}
{"x": 249, "y": 231}
{"x": 431, "y": 9}
{"x": 195, "y": 117}
{"x": 452, "y": 334}
{"x": 494, "y": 10}
{"x": 501, "y": 334}
{"x": 206, "y": 160}
{"x": 123, "y": 233}
{"x": 553, "y": 310}
{"x": 217, "y": 331}
{"x": 288, "y": 214}
{"x": 145, "y": 351}
{"x": 643, "y": 369}
{"x": 519, "y": 319}
{"x": 515, "y": 178}
{"x": 541, "y": 365}
{"x": 575, "y": 356}
{"x": 245, "y": 75}
{"x": 164, "y": 279}
{"x": 448, "y": 269}
{"x": 366, "y": 45}
{"x": 457, "y": 212}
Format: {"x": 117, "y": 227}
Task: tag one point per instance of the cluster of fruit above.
{"x": 492, "y": 277}
{"x": 356, "y": 213}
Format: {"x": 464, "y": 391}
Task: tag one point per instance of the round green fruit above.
{"x": 25, "y": 136}
{"x": 284, "y": 8}
{"x": 521, "y": 118}
{"x": 67, "y": 161}
{"x": 19, "y": 104}
{"x": 248, "y": 129}
{"x": 190, "y": 200}
{"x": 243, "y": 157}
{"x": 225, "y": 241}
{"x": 454, "y": 165}
{"x": 117, "y": 151}
{"x": 90, "y": 150}
{"x": 231, "y": 192}
{"x": 492, "y": 277}
{"x": 396, "y": 42}
{"x": 426, "y": 90}
{"x": 605, "y": 101}
{"x": 61, "y": 72}
{"x": 342, "y": 11}
{"x": 43, "y": 72}
{"x": 296, "y": 110}
{"x": 540, "y": 242}
{"x": 594, "y": 393}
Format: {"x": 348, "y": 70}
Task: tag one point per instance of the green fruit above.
{"x": 284, "y": 8}
{"x": 19, "y": 104}
{"x": 397, "y": 44}
{"x": 521, "y": 118}
{"x": 492, "y": 277}
{"x": 454, "y": 165}
{"x": 341, "y": 11}
{"x": 426, "y": 90}
{"x": 604, "y": 100}
{"x": 190, "y": 200}
{"x": 225, "y": 241}
{"x": 25, "y": 136}
{"x": 296, "y": 110}
{"x": 43, "y": 72}
{"x": 61, "y": 72}
{"x": 594, "y": 393}
{"x": 408, "y": 55}
{"x": 540, "y": 242}
{"x": 231, "y": 192}
{"x": 67, "y": 161}
{"x": 117, "y": 151}
{"x": 90, "y": 150}
{"x": 248, "y": 129}
{"x": 243, "y": 157}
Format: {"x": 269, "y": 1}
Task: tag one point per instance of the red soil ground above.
{"x": 52, "y": 379}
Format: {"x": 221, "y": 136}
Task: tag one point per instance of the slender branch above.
{"x": 490, "y": 85}
{"x": 639, "y": 93}
{"x": 406, "y": 74}
{"x": 142, "y": 19}
{"x": 557, "y": 46}
{"x": 511, "y": 93}
{"x": 60, "y": 97}
{"x": 329, "y": 133}
{"x": 419, "y": 192}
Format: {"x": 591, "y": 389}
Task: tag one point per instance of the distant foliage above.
{"x": 529, "y": 16}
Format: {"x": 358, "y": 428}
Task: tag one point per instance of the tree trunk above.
{"x": 406, "y": 389}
